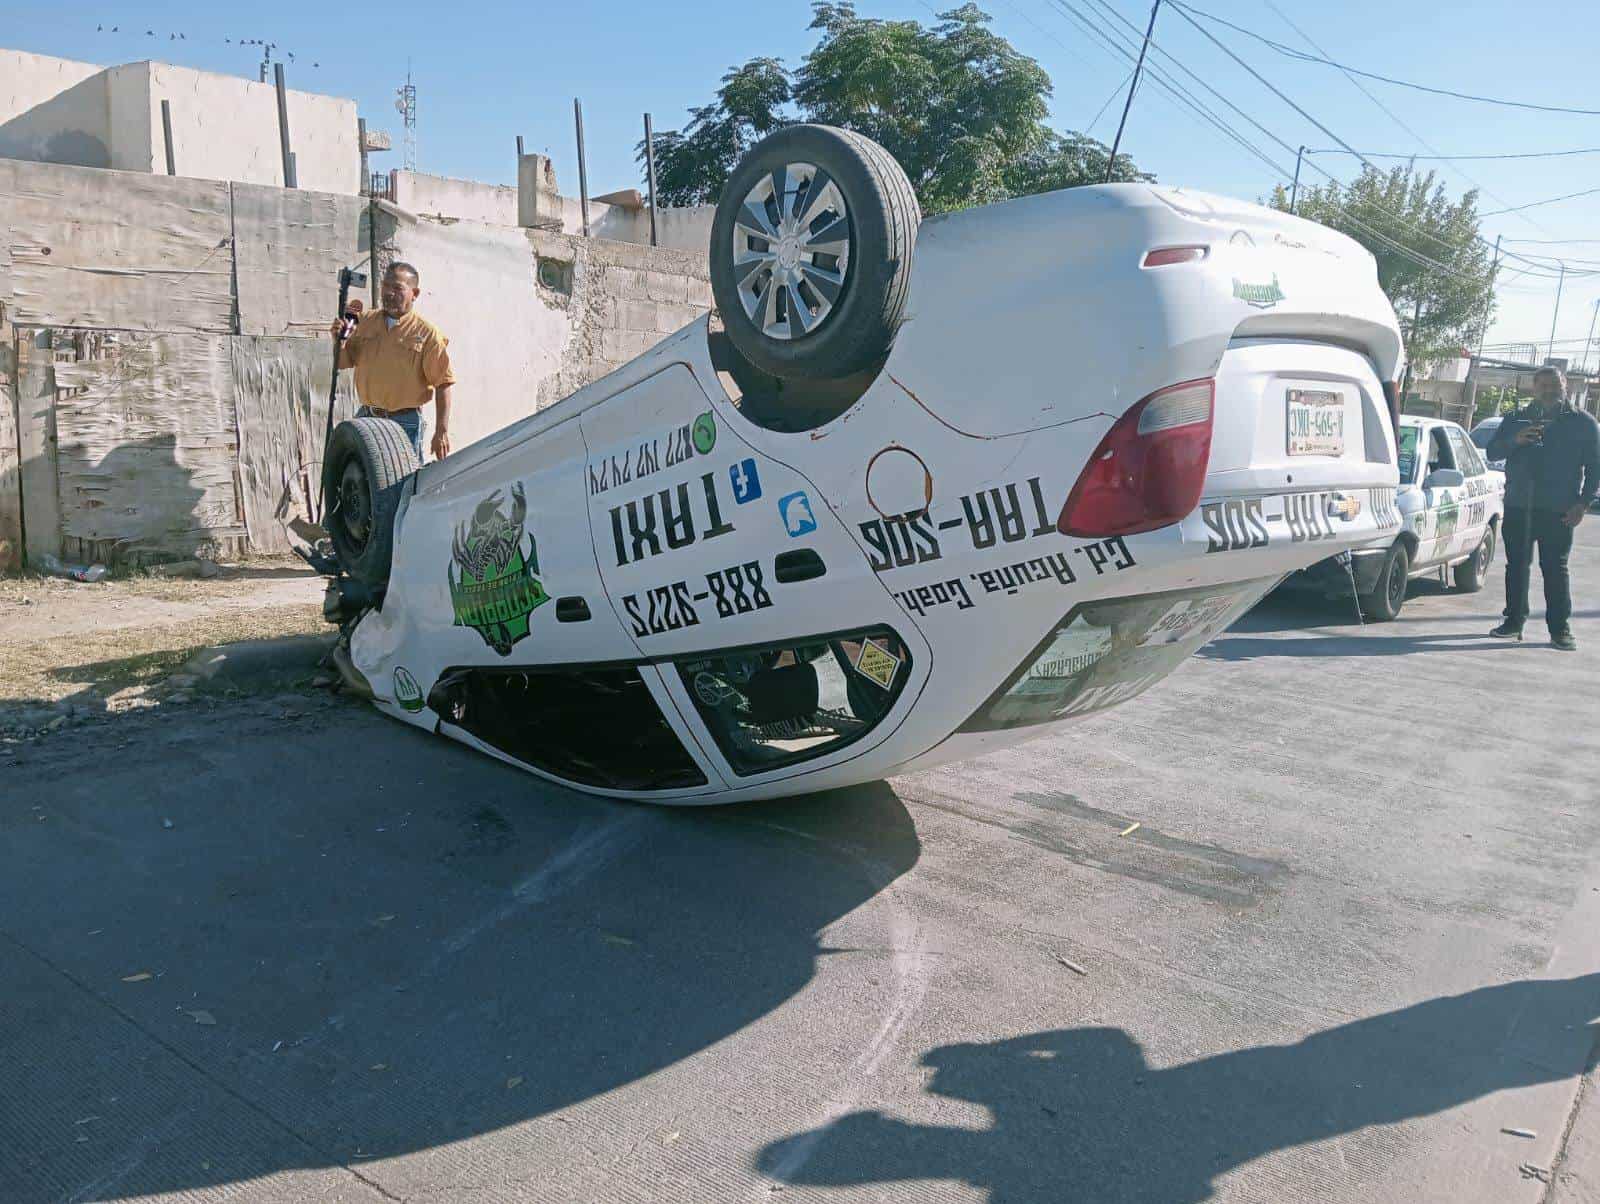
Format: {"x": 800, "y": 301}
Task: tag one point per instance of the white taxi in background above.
{"x": 1451, "y": 505}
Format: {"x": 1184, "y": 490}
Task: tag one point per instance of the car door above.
{"x": 1475, "y": 497}
{"x": 499, "y": 632}
{"x": 736, "y": 579}
{"x": 1441, "y": 503}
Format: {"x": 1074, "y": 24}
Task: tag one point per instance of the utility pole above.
{"x": 583, "y": 166}
{"x": 1589, "y": 342}
{"x": 1133, "y": 86}
{"x": 1416, "y": 320}
{"x": 289, "y": 180}
{"x": 1294, "y": 190}
{"x": 1560, "y": 280}
{"x": 650, "y": 169}
{"x": 1471, "y": 391}
{"x": 166, "y": 134}
{"x": 1494, "y": 270}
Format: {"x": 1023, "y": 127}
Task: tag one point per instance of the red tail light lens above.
{"x": 1149, "y": 469}
{"x": 1163, "y": 256}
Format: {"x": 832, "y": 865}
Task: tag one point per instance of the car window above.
{"x": 1104, "y": 652}
{"x": 1483, "y": 433}
{"x": 780, "y": 704}
{"x": 1466, "y": 455}
{"x": 596, "y": 726}
{"x": 1406, "y": 440}
{"x": 1439, "y": 453}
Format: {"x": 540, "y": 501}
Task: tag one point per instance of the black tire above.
{"x": 367, "y": 462}
{"x": 882, "y": 218}
{"x": 1388, "y": 595}
{"x": 1471, "y": 572}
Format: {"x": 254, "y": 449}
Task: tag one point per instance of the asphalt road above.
{"x": 1355, "y": 937}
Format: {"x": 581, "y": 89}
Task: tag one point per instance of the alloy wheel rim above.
{"x": 355, "y": 503}
{"x": 791, "y": 250}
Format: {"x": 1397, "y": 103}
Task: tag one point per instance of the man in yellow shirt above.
{"x": 402, "y": 361}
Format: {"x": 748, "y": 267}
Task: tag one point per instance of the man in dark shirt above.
{"x": 1552, "y": 455}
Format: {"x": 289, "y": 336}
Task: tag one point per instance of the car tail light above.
{"x": 1149, "y": 469}
{"x": 1162, "y": 256}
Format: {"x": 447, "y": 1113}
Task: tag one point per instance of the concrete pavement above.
{"x": 1355, "y": 937}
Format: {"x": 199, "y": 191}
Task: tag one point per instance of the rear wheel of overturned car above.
{"x": 1471, "y": 572}
{"x": 1389, "y": 592}
{"x": 811, "y": 253}
{"x": 367, "y": 462}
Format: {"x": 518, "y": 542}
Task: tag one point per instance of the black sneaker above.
{"x": 1508, "y": 631}
{"x": 1563, "y": 640}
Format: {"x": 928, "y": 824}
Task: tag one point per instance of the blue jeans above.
{"x": 410, "y": 422}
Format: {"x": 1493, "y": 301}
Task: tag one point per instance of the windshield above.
{"x": 1483, "y": 432}
{"x": 1407, "y": 443}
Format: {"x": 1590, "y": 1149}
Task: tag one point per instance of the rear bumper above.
{"x": 1331, "y": 576}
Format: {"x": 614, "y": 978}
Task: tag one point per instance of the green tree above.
{"x": 960, "y": 108}
{"x": 1431, "y": 262}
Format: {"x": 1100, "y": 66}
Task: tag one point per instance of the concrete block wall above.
{"x": 533, "y": 315}
{"x": 626, "y": 298}
{"x": 173, "y": 330}
{"x": 467, "y": 200}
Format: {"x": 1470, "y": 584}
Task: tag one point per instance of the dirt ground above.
{"x": 71, "y": 650}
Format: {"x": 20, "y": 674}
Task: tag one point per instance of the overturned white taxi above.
{"x": 882, "y": 509}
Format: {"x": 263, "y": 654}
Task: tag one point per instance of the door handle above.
{"x": 802, "y": 564}
{"x": 572, "y": 610}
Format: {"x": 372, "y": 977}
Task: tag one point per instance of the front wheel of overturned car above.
{"x": 1471, "y": 572}
{"x": 367, "y": 462}
{"x": 811, "y": 253}
{"x": 1388, "y": 594}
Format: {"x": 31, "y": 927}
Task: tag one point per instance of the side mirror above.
{"x": 1444, "y": 478}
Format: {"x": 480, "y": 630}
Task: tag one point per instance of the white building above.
{"x": 223, "y": 127}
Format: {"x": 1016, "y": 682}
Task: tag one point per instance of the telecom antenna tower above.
{"x": 406, "y": 102}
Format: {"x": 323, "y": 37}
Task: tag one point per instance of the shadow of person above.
{"x": 1079, "y": 1114}
{"x": 1244, "y": 648}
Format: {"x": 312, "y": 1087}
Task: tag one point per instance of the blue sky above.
{"x": 489, "y": 71}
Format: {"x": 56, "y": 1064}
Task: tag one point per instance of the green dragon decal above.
{"x": 1448, "y": 516}
{"x": 494, "y": 572}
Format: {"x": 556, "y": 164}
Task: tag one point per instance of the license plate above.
{"x": 1315, "y": 421}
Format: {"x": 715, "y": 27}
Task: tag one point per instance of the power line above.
{"x": 1392, "y": 115}
{"x": 1291, "y": 52}
{"x": 1176, "y": 90}
{"x": 1416, "y": 256}
{"x": 1383, "y": 239}
{"x": 1379, "y": 236}
{"x": 1536, "y": 204}
{"x": 1182, "y": 10}
{"x": 1101, "y": 111}
{"x": 1555, "y": 241}
{"x": 1588, "y": 150}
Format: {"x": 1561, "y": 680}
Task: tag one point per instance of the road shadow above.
{"x": 1079, "y": 1114}
{"x": 1376, "y": 641}
{"x": 396, "y": 943}
{"x": 276, "y": 572}
{"x": 154, "y": 683}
